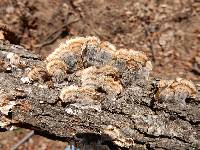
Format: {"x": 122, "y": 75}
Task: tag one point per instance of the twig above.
{"x": 30, "y": 134}
{"x": 53, "y": 36}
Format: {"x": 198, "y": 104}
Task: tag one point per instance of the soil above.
{"x": 168, "y": 31}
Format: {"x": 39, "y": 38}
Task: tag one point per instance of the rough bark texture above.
{"x": 147, "y": 123}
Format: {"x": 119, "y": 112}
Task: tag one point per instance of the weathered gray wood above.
{"x": 150, "y": 124}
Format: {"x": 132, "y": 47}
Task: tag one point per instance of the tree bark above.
{"x": 135, "y": 114}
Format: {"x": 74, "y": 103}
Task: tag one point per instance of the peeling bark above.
{"x": 142, "y": 121}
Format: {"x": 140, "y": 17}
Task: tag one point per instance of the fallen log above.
{"x": 103, "y": 95}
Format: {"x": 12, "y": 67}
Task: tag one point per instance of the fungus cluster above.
{"x": 178, "y": 89}
{"x": 100, "y": 66}
{"x": 105, "y": 78}
{"x": 102, "y": 69}
{"x": 117, "y": 136}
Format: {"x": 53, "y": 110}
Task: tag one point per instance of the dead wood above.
{"x": 143, "y": 122}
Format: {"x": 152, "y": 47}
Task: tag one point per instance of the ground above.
{"x": 168, "y": 31}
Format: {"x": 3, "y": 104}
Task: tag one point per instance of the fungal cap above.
{"x": 56, "y": 53}
{"x": 111, "y": 86}
{"x": 70, "y": 46}
{"x": 55, "y": 66}
{"x": 188, "y": 83}
{"x": 168, "y": 88}
{"x": 76, "y": 40}
{"x": 73, "y": 92}
{"x": 165, "y": 94}
{"x": 163, "y": 89}
{"x": 88, "y": 76}
{"x": 183, "y": 84}
{"x": 131, "y": 55}
{"x": 164, "y": 83}
{"x": 103, "y": 77}
{"x": 108, "y": 46}
{"x": 37, "y": 74}
{"x": 92, "y": 41}
{"x": 89, "y": 70}
{"x": 75, "y": 45}
{"x": 107, "y": 70}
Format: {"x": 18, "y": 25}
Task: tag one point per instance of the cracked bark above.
{"x": 151, "y": 125}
